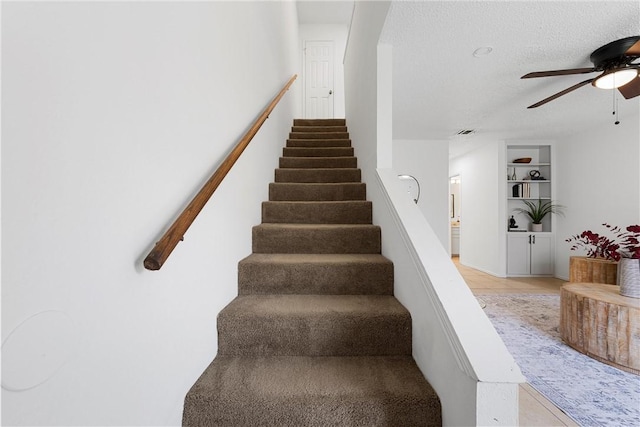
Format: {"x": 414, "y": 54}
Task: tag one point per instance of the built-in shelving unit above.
{"x": 529, "y": 253}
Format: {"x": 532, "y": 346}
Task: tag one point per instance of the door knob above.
{"x": 330, "y": 92}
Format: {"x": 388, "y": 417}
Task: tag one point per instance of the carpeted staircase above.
{"x": 315, "y": 336}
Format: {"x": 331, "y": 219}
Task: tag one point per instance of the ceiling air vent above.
{"x": 465, "y": 132}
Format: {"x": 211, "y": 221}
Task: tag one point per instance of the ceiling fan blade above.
{"x": 559, "y": 94}
{"x": 634, "y": 50}
{"x": 559, "y": 72}
{"x": 631, "y": 89}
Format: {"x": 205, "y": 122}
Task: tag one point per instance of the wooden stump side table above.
{"x": 599, "y": 322}
{"x": 592, "y": 270}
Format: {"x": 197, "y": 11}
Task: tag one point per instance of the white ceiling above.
{"x": 440, "y": 87}
{"x": 324, "y": 12}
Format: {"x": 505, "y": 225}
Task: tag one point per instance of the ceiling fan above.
{"x": 614, "y": 60}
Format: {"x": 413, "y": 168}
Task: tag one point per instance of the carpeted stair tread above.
{"x": 312, "y": 391}
{"x": 317, "y": 175}
{"x": 313, "y": 212}
{"x": 293, "y": 191}
{"x": 333, "y": 274}
{"x": 318, "y": 143}
{"x": 318, "y": 162}
{"x": 315, "y": 336}
{"x": 317, "y": 152}
{"x": 314, "y": 325}
{"x": 316, "y": 238}
{"x": 324, "y": 128}
{"x": 318, "y": 135}
{"x": 319, "y": 122}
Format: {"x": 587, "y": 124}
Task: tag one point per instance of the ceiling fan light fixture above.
{"x": 615, "y": 78}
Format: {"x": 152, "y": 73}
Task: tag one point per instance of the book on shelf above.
{"x": 522, "y": 190}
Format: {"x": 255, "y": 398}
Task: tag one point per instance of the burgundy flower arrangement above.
{"x": 624, "y": 243}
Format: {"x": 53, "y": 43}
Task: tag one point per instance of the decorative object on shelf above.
{"x": 523, "y": 160}
{"x": 522, "y": 190}
{"x": 623, "y": 246}
{"x": 538, "y": 210}
{"x": 514, "y": 176}
{"x": 515, "y": 190}
{"x": 535, "y": 176}
{"x": 513, "y": 227}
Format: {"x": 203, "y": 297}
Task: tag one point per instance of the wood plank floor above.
{"x": 535, "y": 409}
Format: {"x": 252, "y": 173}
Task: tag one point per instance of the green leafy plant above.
{"x": 538, "y": 210}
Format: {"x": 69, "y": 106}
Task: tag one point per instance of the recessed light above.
{"x": 482, "y": 51}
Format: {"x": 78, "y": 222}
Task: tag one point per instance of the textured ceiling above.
{"x": 440, "y": 87}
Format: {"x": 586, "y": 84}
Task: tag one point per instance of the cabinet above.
{"x": 530, "y": 254}
{"x": 455, "y": 240}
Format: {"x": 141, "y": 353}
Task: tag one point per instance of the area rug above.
{"x": 590, "y": 392}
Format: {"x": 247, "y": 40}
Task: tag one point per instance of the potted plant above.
{"x": 623, "y": 246}
{"x": 538, "y": 210}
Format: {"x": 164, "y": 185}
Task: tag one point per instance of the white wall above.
{"x": 482, "y": 226}
{"x": 337, "y": 34}
{"x": 598, "y": 180}
{"x": 454, "y": 343}
{"x": 360, "y": 75}
{"x": 428, "y": 162}
{"x": 113, "y": 116}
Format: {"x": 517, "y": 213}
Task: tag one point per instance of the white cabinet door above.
{"x": 530, "y": 254}
{"x": 455, "y": 240}
{"x": 542, "y": 254}
{"x": 518, "y": 254}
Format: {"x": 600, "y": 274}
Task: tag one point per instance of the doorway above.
{"x": 318, "y": 67}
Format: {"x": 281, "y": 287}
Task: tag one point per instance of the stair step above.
{"x": 287, "y": 191}
{"x": 327, "y": 128}
{"x": 318, "y": 143}
{"x": 315, "y": 336}
{"x": 316, "y": 239}
{"x": 328, "y": 212}
{"x": 318, "y": 135}
{"x": 313, "y": 392}
{"x": 317, "y": 175}
{"x": 317, "y": 151}
{"x": 314, "y": 325}
{"x": 318, "y": 162}
{"x": 319, "y": 122}
{"x": 331, "y": 274}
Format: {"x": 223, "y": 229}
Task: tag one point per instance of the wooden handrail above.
{"x": 175, "y": 233}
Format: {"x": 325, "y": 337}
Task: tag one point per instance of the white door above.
{"x": 542, "y": 254}
{"x": 518, "y": 247}
{"x": 318, "y": 66}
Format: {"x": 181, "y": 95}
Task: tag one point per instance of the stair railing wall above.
{"x": 454, "y": 343}
{"x": 167, "y": 243}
